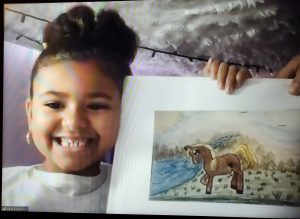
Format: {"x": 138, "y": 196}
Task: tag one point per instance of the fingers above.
{"x": 235, "y": 78}
{"x": 229, "y": 77}
{"x": 211, "y": 68}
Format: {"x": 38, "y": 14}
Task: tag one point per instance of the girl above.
{"x": 73, "y": 113}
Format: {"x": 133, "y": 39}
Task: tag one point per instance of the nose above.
{"x": 74, "y": 119}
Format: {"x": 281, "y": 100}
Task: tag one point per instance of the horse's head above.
{"x": 197, "y": 153}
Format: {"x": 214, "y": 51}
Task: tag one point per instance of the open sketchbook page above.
{"x": 251, "y": 141}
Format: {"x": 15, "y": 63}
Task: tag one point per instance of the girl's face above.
{"x": 73, "y": 116}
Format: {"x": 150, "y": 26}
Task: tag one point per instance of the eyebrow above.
{"x": 90, "y": 95}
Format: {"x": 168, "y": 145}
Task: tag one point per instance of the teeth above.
{"x": 67, "y": 142}
{"x": 81, "y": 143}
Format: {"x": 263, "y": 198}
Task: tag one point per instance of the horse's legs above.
{"x": 209, "y": 185}
{"x": 240, "y": 182}
{"x": 234, "y": 181}
{"x": 204, "y": 179}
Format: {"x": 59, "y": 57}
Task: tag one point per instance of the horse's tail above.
{"x": 246, "y": 155}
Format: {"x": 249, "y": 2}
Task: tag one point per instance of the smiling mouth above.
{"x": 73, "y": 143}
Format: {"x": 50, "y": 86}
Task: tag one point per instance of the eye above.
{"x": 196, "y": 152}
{"x": 98, "y": 106}
{"x": 54, "y": 105}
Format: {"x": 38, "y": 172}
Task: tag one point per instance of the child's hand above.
{"x": 292, "y": 70}
{"x": 230, "y": 77}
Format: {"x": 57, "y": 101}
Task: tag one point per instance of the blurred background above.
{"x": 176, "y": 39}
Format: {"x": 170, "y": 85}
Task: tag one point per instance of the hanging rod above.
{"x": 28, "y": 15}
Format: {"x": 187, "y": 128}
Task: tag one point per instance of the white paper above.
{"x": 130, "y": 181}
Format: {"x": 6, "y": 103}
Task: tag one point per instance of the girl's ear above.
{"x": 28, "y": 107}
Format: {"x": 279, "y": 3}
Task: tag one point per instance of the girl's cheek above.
{"x": 44, "y": 123}
{"x": 107, "y": 125}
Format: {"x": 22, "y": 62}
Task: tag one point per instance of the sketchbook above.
{"x": 187, "y": 148}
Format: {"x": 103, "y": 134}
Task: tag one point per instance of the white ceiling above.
{"x": 255, "y": 32}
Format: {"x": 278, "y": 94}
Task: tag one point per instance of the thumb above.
{"x": 286, "y": 72}
{"x": 294, "y": 88}
{"x": 289, "y": 71}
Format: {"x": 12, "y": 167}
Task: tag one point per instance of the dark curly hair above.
{"x": 80, "y": 35}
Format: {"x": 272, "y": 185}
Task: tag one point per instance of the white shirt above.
{"x": 29, "y": 186}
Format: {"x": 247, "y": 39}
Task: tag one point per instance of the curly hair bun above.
{"x": 111, "y": 28}
{"x": 79, "y": 29}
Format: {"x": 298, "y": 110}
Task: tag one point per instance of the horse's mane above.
{"x": 212, "y": 151}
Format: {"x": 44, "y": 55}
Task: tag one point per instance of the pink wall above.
{"x": 18, "y": 62}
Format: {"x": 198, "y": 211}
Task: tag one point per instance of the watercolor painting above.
{"x": 250, "y": 157}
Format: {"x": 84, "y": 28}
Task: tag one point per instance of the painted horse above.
{"x": 219, "y": 165}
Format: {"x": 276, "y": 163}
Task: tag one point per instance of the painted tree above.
{"x": 177, "y": 151}
{"x": 155, "y": 151}
{"x": 281, "y": 166}
{"x": 290, "y": 164}
{"x": 163, "y": 152}
{"x": 298, "y": 167}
